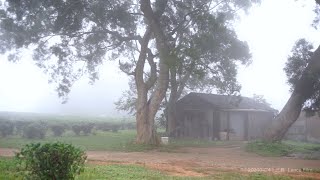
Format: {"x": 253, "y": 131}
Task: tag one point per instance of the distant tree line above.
{"x": 39, "y": 129}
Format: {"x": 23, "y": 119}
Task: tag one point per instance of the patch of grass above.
{"x": 9, "y": 171}
{"x": 123, "y": 140}
{"x": 303, "y": 146}
{"x": 222, "y": 174}
{"x": 261, "y": 176}
{"x": 122, "y": 172}
{"x": 269, "y": 149}
{"x": 281, "y": 148}
{"x": 120, "y": 141}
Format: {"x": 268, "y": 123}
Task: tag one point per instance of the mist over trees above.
{"x": 155, "y": 42}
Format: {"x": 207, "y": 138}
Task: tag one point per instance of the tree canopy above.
{"x": 296, "y": 64}
{"x": 155, "y": 42}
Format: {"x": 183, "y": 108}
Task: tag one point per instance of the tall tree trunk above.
{"x": 288, "y": 115}
{"x": 303, "y": 90}
{"x": 147, "y": 109}
{"x": 145, "y": 123}
{"x": 171, "y": 107}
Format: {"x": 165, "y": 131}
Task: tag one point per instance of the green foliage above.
{"x": 295, "y": 67}
{"x": 87, "y": 30}
{"x": 35, "y": 130}
{"x": 303, "y": 150}
{"x": 6, "y": 128}
{"x": 9, "y": 169}
{"x": 58, "y": 129}
{"x": 52, "y": 160}
{"x": 298, "y": 61}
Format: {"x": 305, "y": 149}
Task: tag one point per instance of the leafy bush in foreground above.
{"x": 52, "y": 161}
{"x": 35, "y": 130}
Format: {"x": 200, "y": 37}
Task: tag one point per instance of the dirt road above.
{"x": 202, "y": 161}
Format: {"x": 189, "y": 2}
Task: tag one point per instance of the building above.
{"x": 306, "y": 128}
{"x": 211, "y": 116}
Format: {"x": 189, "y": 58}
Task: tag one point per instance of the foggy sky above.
{"x": 270, "y": 30}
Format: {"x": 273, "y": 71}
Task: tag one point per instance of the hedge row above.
{"x": 38, "y": 129}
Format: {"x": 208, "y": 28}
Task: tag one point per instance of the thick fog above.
{"x": 24, "y": 87}
{"x": 270, "y": 33}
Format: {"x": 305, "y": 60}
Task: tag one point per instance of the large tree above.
{"x": 73, "y": 37}
{"x": 207, "y": 61}
{"x": 303, "y": 72}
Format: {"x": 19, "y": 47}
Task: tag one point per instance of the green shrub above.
{"x": 35, "y": 130}
{"x": 87, "y": 128}
{"x": 51, "y": 161}
{"x": 76, "y": 129}
{"x": 58, "y": 129}
{"x": 6, "y": 128}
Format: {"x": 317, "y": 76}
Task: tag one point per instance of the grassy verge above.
{"x": 269, "y": 149}
{"x": 8, "y": 171}
{"x": 100, "y": 141}
{"x": 284, "y": 148}
{"x": 104, "y": 141}
{"x": 123, "y": 140}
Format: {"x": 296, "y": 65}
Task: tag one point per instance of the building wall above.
{"x": 298, "y": 129}
{"x": 223, "y": 120}
{"x": 305, "y": 129}
{"x": 237, "y": 125}
{"x": 313, "y": 129}
{"x": 194, "y": 124}
{"x": 209, "y": 124}
{"x": 258, "y": 123}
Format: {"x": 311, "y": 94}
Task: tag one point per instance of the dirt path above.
{"x": 202, "y": 161}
